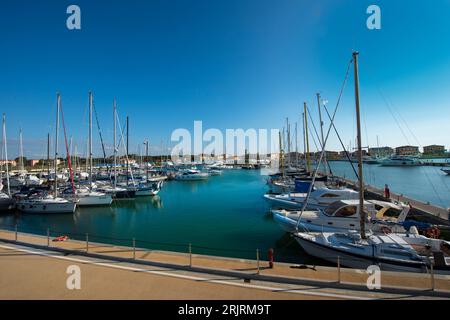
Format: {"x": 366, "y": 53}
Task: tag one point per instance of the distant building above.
{"x": 32, "y": 163}
{"x": 434, "y": 149}
{"x": 381, "y": 151}
{"x": 407, "y": 151}
{"x": 12, "y": 163}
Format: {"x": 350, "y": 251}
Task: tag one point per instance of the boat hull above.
{"x": 354, "y": 260}
{"x": 47, "y": 207}
{"x": 89, "y": 201}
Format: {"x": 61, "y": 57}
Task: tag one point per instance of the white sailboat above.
{"x": 48, "y": 204}
{"x": 91, "y": 197}
{"x": 6, "y": 201}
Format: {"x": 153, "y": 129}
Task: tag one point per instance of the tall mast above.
{"x": 281, "y": 153}
{"x": 360, "y": 163}
{"x": 22, "y": 165}
{"x": 146, "y": 159}
{"x": 308, "y": 160}
{"x": 58, "y": 106}
{"x": 296, "y": 144}
{"x": 6, "y": 154}
{"x": 48, "y": 154}
{"x": 90, "y": 140}
{"x": 304, "y": 138}
{"x": 128, "y": 132}
{"x": 114, "y": 143}
{"x": 321, "y": 132}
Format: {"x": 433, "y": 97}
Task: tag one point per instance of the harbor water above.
{"x": 423, "y": 183}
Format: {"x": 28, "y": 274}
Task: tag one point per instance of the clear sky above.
{"x": 230, "y": 63}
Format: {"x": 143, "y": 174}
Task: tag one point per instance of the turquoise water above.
{"x": 226, "y": 213}
{"x": 423, "y": 183}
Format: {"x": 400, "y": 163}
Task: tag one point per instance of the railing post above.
{"x": 48, "y": 237}
{"x": 339, "y": 269}
{"x": 15, "y": 236}
{"x": 432, "y": 276}
{"x": 257, "y": 259}
{"x": 134, "y": 248}
{"x": 190, "y": 254}
{"x": 87, "y": 242}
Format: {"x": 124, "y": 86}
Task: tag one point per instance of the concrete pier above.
{"x": 33, "y": 268}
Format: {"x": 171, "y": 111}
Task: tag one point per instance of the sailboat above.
{"x": 115, "y": 191}
{"x": 90, "y": 197}
{"x": 6, "y": 201}
{"x": 44, "y": 203}
{"x": 360, "y": 249}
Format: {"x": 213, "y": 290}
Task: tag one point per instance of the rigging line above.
{"x": 393, "y": 115}
{"x": 342, "y": 144}
{"x": 318, "y": 138}
{"x": 325, "y": 143}
{"x": 404, "y": 121}
{"x": 67, "y": 154}
{"x": 101, "y": 136}
{"x": 123, "y": 143}
{"x": 418, "y": 142}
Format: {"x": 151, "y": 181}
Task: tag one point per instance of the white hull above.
{"x": 353, "y": 261}
{"x": 46, "y": 207}
{"x": 94, "y": 200}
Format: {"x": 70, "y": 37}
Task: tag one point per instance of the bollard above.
{"x": 339, "y": 269}
{"x": 15, "y": 237}
{"x": 432, "y": 276}
{"x": 48, "y": 237}
{"x": 134, "y": 249}
{"x": 190, "y": 255}
{"x": 257, "y": 259}
{"x": 87, "y": 242}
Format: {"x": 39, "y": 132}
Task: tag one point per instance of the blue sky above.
{"x": 230, "y": 63}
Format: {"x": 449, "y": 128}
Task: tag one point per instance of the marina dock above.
{"x": 420, "y": 210}
{"x": 35, "y": 267}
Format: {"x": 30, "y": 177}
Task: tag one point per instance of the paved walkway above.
{"x": 40, "y": 274}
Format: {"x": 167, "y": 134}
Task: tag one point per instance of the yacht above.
{"x": 342, "y": 216}
{"x": 446, "y": 171}
{"x": 6, "y": 202}
{"x": 319, "y": 199}
{"x": 400, "y": 161}
{"x": 191, "y": 175}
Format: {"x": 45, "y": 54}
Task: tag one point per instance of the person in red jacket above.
{"x": 387, "y": 192}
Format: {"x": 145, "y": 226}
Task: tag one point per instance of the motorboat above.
{"x": 400, "y": 161}
{"x": 342, "y": 216}
{"x": 191, "y": 175}
{"x": 148, "y": 189}
{"x": 320, "y": 198}
{"x": 446, "y": 171}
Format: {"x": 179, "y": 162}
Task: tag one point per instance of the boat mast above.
{"x": 296, "y": 145}
{"x": 308, "y": 159}
{"x": 6, "y": 154}
{"x": 114, "y": 143}
{"x": 58, "y": 105}
{"x": 90, "y": 140}
{"x": 281, "y": 153}
{"x": 321, "y": 132}
{"x": 48, "y": 155}
{"x": 22, "y": 165}
{"x": 360, "y": 163}
{"x": 128, "y": 132}
{"x": 146, "y": 160}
